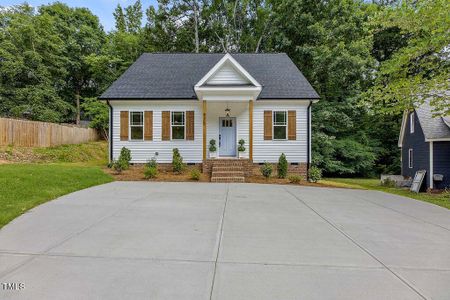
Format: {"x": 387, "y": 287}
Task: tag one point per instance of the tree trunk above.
{"x": 77, "y": 98}
{"x": 197, "y": 42}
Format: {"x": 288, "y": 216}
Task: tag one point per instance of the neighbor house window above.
{"x": 410, "y": 158}
{"x": 136, "y": 125}
{"x": 178, "y": 125}
{"x": 279, "y": 125}
{"x": 411, "y": 123}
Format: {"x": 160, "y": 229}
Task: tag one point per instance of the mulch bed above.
{"x": 136, "y": 173}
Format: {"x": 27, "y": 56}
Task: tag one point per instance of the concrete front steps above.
{"x": 227, "y": 170}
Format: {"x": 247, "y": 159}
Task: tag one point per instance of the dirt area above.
{"x": 136, "y": 173}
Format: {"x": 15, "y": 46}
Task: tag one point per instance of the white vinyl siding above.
{"x": 142, "y": 151}
{"x": 227, "y": 75}
{"x": 270, "y": 150}
{"x": 191, "y": 150}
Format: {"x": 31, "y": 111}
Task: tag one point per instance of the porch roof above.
{"x": 173, "y": 76}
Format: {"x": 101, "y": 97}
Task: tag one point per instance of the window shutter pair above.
{"x": 292, "y": 125}
{"x": 189, "y": 123}
{"x": 125, "y": 123}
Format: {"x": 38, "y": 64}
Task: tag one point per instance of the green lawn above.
{"x": 374, "y": 184}
{"x": 24, "y": 186}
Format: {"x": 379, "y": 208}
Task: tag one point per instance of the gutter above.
{"x": 110, "y": 140}
{"x": 308, "y": 152}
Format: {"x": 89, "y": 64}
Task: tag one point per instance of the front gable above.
{"x": 227, "y": 81}
{"x": 228, "y": 74}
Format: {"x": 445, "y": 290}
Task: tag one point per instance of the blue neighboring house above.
{"x": 425, "y": 145}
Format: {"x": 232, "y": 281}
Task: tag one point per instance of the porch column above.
{"x": 250, "y": 130}
{"x": 204, "y": 129}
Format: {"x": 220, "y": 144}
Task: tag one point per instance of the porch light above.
{"x": 227, "y": 111}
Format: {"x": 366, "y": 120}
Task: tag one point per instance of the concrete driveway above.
{"x": 139, "y": 240}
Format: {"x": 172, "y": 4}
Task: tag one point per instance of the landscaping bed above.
{"x": 136, "y": 173}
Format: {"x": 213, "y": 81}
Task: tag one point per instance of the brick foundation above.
{"x": 251, "y": 169}
{"x": 300, "y": 169}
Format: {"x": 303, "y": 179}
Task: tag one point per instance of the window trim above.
{"x": 129, "y": 125}
{"x": 184, "y": 124}
{"x": 411, "y": 122}
{"x": 410, "y": 158}
{"x": 273, "y": 125}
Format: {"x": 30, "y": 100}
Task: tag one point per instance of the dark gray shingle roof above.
{"x": 434, "y": 127}
{"x": 173, "y": 76}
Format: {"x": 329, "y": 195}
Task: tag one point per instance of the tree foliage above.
{"x": 367, "y": 61}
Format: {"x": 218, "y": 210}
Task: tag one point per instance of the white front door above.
{"x": 227, "y": 137}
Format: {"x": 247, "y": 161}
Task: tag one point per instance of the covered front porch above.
{"x": 226, "y": 123}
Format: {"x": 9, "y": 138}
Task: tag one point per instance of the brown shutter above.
{"x": 124, "y": 115}
{"x": 148, "y": 125}
{"x": 165, "y": 131}
{"x": 190, "y": 125}
{"x": 267, "y": 124}
{"x": 292, "y": 125}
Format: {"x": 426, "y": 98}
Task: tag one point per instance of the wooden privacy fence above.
{"x": 41, "y": 134}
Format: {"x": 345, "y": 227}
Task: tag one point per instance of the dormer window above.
{"x": 411, "y": 122}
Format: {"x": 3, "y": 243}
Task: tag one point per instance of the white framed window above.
{"x": 411, "y": 122}
{"x": 136, "y": 125}
{"x": 279, "y": 125}
{"x": 178, "y": 125}
{"x": 410, "y": 158}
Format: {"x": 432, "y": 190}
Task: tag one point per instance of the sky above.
{"x": 101, "y": 8}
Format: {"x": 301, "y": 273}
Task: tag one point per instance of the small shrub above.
{"x": 119, "y": 165}
{"x": 266, "y": 170}
{"x": 195, "y": 174}
{"x": 150, "y": 172}
{"x": 152, "y": 163}
{"x": 212, "y": 145}
{"x": 315, "y": 174}
{"x": 388, "y": 183}
{"x": 294, "y": 178}
{"x": 125, "y": 157}
{"x": 177, "y": 161}
{"x": 241, "y": 147}
{"x": 282, "y": 166}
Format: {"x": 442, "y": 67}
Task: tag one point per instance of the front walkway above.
{"x": 140, "y": 240}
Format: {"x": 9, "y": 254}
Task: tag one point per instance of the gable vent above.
{"x": 227, "y": 75}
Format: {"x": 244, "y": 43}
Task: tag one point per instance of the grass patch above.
{"x": 94, "y": 153}
{"x": 24, "y": 186}
{"x": 442, "y": 199}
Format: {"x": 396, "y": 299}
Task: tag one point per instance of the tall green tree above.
{"x": 419, "y": 67}
{"x": 83, "y": 36}
{"x": 330, "y": 42}
{"x": 32, "y": 66}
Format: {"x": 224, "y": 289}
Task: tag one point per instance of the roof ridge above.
{"x": 216, "y": 53}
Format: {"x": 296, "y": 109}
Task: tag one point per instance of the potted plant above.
{"x": 241, "y": 148}
{"x": 212, "y": 149}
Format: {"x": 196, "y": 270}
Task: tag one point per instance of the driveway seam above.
{"x": 3, "y": 274}
{"x": 404, "y": 214}
{"x": 356, "y": 243}
{"x": 220, "y": 241}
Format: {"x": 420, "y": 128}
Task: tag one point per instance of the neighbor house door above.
{"x": 227, "y": 137}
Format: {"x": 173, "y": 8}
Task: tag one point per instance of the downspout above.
{"x": 308, "y": 152}
{"x": 110, "y": 140}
